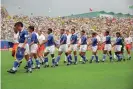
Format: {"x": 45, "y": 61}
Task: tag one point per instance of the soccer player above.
{"x": 63, "y": 46}
{"x": 41, "y": 39}
{"x": 23, "y": 48}
{"x": 50, "y": 48}
{"x": 94, "y": 44}
{"x": 128, "y": 43}
{"x": 73, "y": 46}
{"x": 107, "y": 47}
{"x": 34, "y": 46}
{"x": 15, "y": 45}
{"x": 68, "y": 42}
{"x": 83, "y": 46}
{"x": 118, "y": 46}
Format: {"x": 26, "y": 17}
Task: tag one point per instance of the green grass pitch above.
{"x": 82, "y": 76}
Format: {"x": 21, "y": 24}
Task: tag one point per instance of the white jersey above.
{"x": 69, "y": 39}
{"x": 15, "y": 37}
{"x": 128, "y": 40}
{"x": 41, "y": 38}
{"x": 98, "y": 38}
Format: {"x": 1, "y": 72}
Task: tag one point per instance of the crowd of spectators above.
{"x": 98, "y": 24}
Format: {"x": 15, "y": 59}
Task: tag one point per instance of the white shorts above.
{"x": 83, "y": 48}
{"x": 63, "y": 48}
{"x": 73, "y": 47}
{"x": 26, "y": 47}
{"x": 118, "y": 48}
{"x": 50, "y": 49}
{"x": 33, "y": 48}
{"x": 107, "y": 47}
{"x": 94, "y": 48}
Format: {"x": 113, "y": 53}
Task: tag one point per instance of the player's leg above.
{"x": 52, "y": 51}
{"x": 104, "y": 55}
{"x": 128, "y": 47}
{"x": 46, "y": 59}
{"x": 93, "y": 54}
{"x": 58, "y": 58}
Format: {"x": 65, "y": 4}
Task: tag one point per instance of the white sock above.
{"x": 14, "y": 69}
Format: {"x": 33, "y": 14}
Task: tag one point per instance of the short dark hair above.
{"x": 94, "y": 33}
{"x": 73, "y": 29}
{"x": 107, "y": 32}
{"x": 63, "y": 29}
{"x": 83, "y": 31}
{"x": 31, "y": 28}
{"x": 118, "y": 33}
{"x": 19, "y": 23}
{"x": 50, "y": 29}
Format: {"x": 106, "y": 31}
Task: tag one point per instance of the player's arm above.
{"x": 32, "y": 38}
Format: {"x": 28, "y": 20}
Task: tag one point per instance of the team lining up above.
{"x": 68, "y": 43}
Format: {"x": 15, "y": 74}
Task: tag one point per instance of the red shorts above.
{"x": 128, "y": 46}
{"x": 14, "y": 49}
{"x": 40, "y": 50}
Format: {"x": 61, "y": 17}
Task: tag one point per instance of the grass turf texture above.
{"x": 82, "y": 76}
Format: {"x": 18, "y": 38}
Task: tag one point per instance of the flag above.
{"x": 90, "y": 9}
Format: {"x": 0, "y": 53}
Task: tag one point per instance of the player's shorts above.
{"x": 40, "y": 50}
{"x": 63, "y": 48}
{"x": 50, "y": 49}
{"x": 107, "y": 47}
{"x": 15, "y": 45}
{"x": 83, "y": 48}
{"x": 94, "y": 48}
{"x": 27, "y": 51}
{"x": 117, "y": 48}
{"x": 73, "y": 47}
{"x": 33, "y": 48}
{"x": 14, "y": 49}
{"x": 128, "y": 46}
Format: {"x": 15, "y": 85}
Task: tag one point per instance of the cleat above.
{"x": 124, "y": 60}
{"x": 65, "y": 61}
{"x": 11, "y": 71}
{"x": 129, "y": 58}
{"x": 56, "y": 65}
{"x": 86, "y": 60}
{"x": 68, "y": 64}
{"x": 26, "y": 67}
{"x": 53, "y": 66}
{"x": 90, "y": 61}
{"x": 45, "y": 66}
{"x": 27, "y": 71}
{"x": 83, "y": 62}
{"x": 102, "y": 61}
{"x": 37, "y": 67}
{"x": 75, "y": 63}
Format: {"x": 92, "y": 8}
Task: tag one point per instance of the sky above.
{"x": 65, "y": 7}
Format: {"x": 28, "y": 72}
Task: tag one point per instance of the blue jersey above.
{"x": 83, "y": 40}
{"x": 94, "y": 41}
{"x": 63, "y": 38}
{"x": 23, "y": 36}
{"x": 50, "y": 40}
{"x": 108, "y": 40}
{"x": 119, "y": 41}
{"x": 34, "y": 37}
{"x": 74, "y": 38}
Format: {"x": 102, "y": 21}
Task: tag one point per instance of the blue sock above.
{"x": 58, "y": 59}
{"x": 46, "y": 60}
{"x": 53, "y": 61}
{"x": 15, "y": 65}
{"x": 29, "y": 63}
{"x": 84, "y": 58}
{"x": 70, "y": 57}
{"x": 118, "y": 56}
{"x": 75, "y": 57}
{"x": 92, "y": 57}
{"x": 104, "y": 57}
{"x": 96, "y": 58}
{"x": 37, "y": 62}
